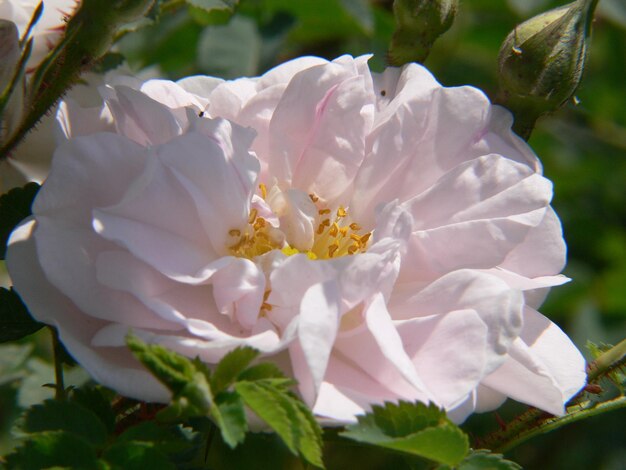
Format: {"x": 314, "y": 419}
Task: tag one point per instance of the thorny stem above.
{"x": 606, "y": 361}
{"x": 59, "y": 385}
{"x": 575, "y": 413}
{"x": 534, "y": 422}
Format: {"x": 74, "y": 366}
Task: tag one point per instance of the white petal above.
{"x": 544, "y": 370}
{"x": 318, "y": 324}
{"x": 498, "y": 306}
{"x": 115, "y": 368}
{"x": 318, "y": 129}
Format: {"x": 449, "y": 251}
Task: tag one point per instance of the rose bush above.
{"x": 379, "y": 236}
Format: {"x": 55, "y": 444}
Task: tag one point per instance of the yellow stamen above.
{"x": 341, "y": 212}
{"x": 334, "y": 229}
{"x": 252, "y": 216}
{"x": 234, "y": 232}
{"x": 355, "y": 226}
{"x": 332, "y": 248}
{"x": 323, "y": 211}
{"x": 313, "y": 197}
{"x": 263, "y": 189}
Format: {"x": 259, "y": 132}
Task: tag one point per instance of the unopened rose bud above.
{"x": 10, "y": 104}
{"x": 418, "y": 24}
{"x": 9, "y": 51}
{"x": 541, "y": 61}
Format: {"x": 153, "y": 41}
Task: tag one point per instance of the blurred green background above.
{"x": 583, "y": 149}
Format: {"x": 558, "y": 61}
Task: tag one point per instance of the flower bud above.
{"x": 541, "y": 61}
{"x": 418, "y": 24}
{"x": 9, "y": 52}
{"x": 10, "y": 106}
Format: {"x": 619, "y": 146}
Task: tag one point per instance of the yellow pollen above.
{"x": 354, "y": 226}
{"x": 341, "y": 212}
{"x": 365, "y": 238}
{"x": 263, "y": 189}
{"x": 344, "y": 231}
{"x": 252, "y": 216}
{"x": 334, "y": 229}
{"x": 332, "y": 248}
{"x": 313, "y": 197}
{"x": 354, "y": 248}
{"x": 323, "y": 211}
{"x": 355, "y": 237}
{"x": 255, "y": 239}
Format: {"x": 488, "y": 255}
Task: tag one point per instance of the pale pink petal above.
{"x": 170, "y": 94}
{"x": 318, "y": 324}
{"x": 238, "y": 289}
{"x": 423, "y": 139}
{"x": 444, "y": 346}
{"x": 318, "y": 129}
{"x": 141, "y": 118}
{"x": 498, "y": 306}
{"x": 191, "y": 306}
{"x": 542, "y": 252}
{"x": 157, "y": 221}
{"x": 297, "y": 215}
{"x": 115, "y": 368}
{"x": 544, "y": 369}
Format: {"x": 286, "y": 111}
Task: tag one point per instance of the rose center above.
{"x": 334, "y": 235}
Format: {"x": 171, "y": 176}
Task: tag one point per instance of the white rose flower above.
{"x": 379, "y": 236}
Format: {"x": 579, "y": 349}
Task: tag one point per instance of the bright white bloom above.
{"x": 385, "y": 238}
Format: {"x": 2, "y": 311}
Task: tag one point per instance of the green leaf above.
{"x": 172, "y": 369}
{"x": 193, "y": 399}
{"x": 137, "y": 456}
{"x": 232, "y": 418}
{"x": 264, "y": 370}
{"x": 167, "y": 439}
{"x": 484, "y": 460}
{"x": 231, "y": 365}
{"x": 55, "y": 415}
{"x": 15, "y": 321}
{"x": 230, "y": 51}
{"x": 415, "y": 429}
{"x": 98, "y": 401}
{"x": 53, "y": 449}
{"x": 289, "y": 419}
{"x": 15, "y": 206}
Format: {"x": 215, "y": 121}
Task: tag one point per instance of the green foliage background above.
{"x": 583, "y": 149}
